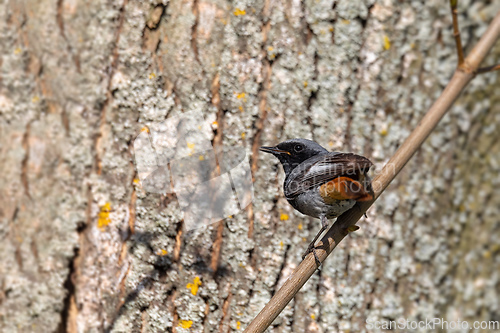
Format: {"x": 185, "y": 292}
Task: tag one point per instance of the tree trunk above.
{"x": 85, "y": 248}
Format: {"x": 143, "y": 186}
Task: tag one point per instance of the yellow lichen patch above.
{"x": 243, "y": 135}
{"x": 313, "y": 316}
{"x": 300, "y": 226}
{"x": 387, "y": 42}
{"x": 145, "y": 129}
{"x": 191, "y": 147}
{"x": 230, "y": 216}
{"x": 194, "y": 286}
{"x": 240, "y": 108}
{"x": 331, "y": 29}
{"x": 304, "y": 239}
{"x": 270, "y": 48}
{"x": 35, "y": 99}
{"x": 305, "y": 84}
{"x": 161, "y": 252}
{"x": 201, "y": 157}
{"x": 238, "y": 12}
{"x": 136, "y": 180}
{"x": 241, "y": 95}
{"x": 185, "y": 323}
{"x": 238, "y": 325}
{"x": 152, "y": 76}
{"x": 215, "y": 123}
{"x": 330, "y": 143}
{"x": 384, "y": 132}
{"x": 284, "y": 217}
{"x": 17, "y": 50}
{"x": 281, "y": 244}
{"x": 346, "y": 21}
{"x": 103, "y": 218}
{"x": 352, "y": 228}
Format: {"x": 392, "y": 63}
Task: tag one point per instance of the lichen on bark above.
{"x": 85, "y": 249}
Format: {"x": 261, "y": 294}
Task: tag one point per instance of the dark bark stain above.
{"x": 70, "y": 309}
{"x": 65, "y": 121}
{"x": 347, "y": 134}
{"x": 151, "y": 33}
{"x": 308, "y": 33}
{"x": 312, "y": 96}
{"x": 280, "y": 274}
{"x": 350, "y": 103}
{"x": 178, "y": 241}
{"x": 131, "y": 222}
{"x": 60, "y": 24}
{"x": 34, "y": 251}
{"x": 226, "y": 312}
{"x": 113, "y": 66}
{"x": 217, "y": 145}
{"x": 175, "y": 322}
{"x": 259, "y": 125}
{"x": 194, "y": 31}
{"x": 217, "y": 246}
{"x": 24, "y": 163}
{"x": 59, "y": 18}
{"x": 68, "y": 315}
{"x": 18, "y": 255}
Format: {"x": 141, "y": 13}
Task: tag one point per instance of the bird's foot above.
{"x": 312, "y": 249}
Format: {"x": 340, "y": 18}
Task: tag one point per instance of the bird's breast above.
{"x": 312, "y": 204}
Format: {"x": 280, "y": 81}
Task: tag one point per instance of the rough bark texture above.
{"x": 79, "y": 79}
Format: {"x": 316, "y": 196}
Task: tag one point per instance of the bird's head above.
{"x": 294, "y": 151}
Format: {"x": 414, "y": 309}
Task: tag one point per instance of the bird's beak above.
{"x": 273, "y": 150}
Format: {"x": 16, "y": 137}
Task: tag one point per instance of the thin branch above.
{"x": 488, "y": 69}
{"x": 456, "y": 33}
{"x": 341, "y": 227}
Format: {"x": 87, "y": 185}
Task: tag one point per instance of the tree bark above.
{"x": 84, "y": 248}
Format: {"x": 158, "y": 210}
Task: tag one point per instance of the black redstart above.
{"x": 320, "y": 183}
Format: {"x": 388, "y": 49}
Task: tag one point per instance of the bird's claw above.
{"x": 312, "y": 249}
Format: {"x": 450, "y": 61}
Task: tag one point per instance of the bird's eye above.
{"x": 298, "y": 148}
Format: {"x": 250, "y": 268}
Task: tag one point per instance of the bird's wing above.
{"x": 321, "y": 169}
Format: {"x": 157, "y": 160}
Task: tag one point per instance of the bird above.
{"x": 319, "y": 183}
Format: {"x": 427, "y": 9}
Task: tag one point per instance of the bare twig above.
{"x": 456, "y": 33}
{"x": 341, "y": 227}
{"x": 488, "y": 69}
{"x": 458, "y": 41}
